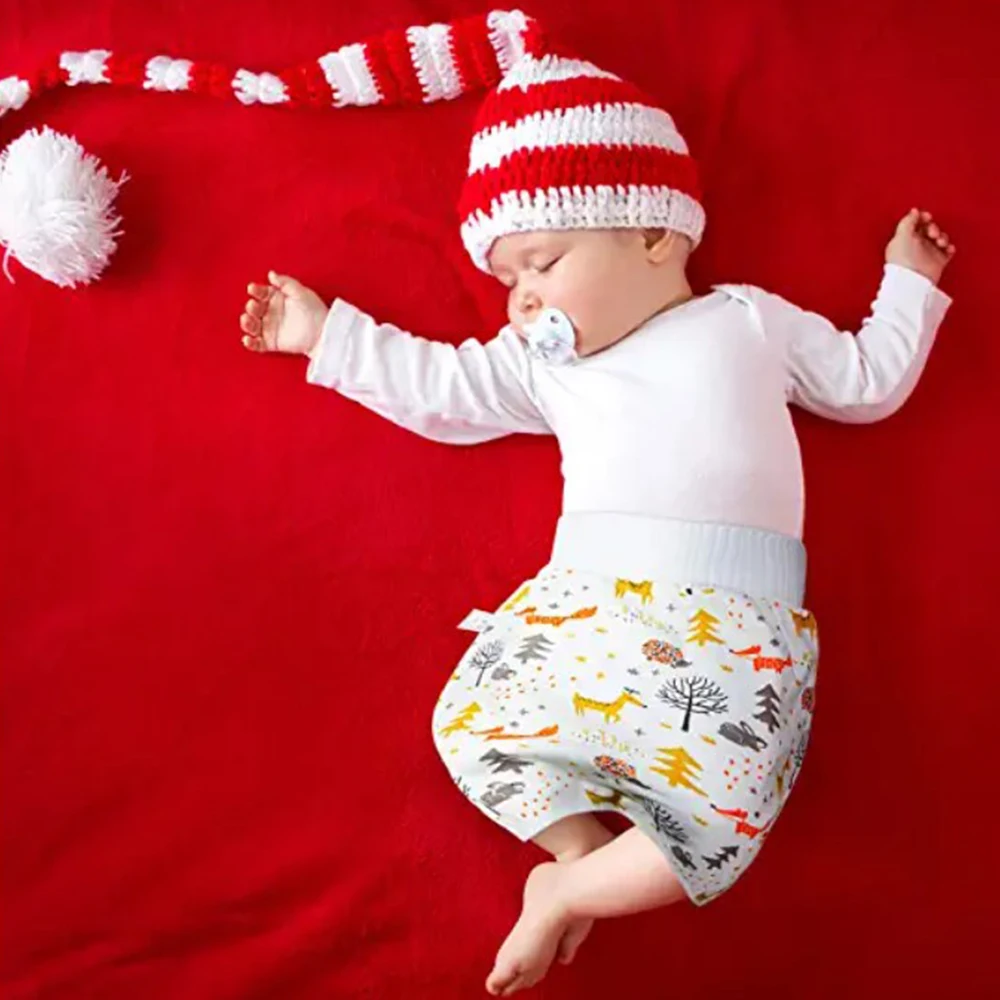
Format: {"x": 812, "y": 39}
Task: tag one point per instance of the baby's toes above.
{"x": 501, "y": 979}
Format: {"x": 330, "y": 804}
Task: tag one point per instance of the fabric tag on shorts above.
{"x": 477, "y": 621}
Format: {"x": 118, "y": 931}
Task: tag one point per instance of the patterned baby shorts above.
{"x": 683, "y": 704}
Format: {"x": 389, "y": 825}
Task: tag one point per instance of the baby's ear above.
{"x": 662, "y": 244}
{"x": 653, "y": 236}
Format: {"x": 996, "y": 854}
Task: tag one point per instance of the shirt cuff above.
{"x": 328, "y": 356}
{"x": 904, "y": 289}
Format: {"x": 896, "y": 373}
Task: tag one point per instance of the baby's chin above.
{"x": 594, "y": 343}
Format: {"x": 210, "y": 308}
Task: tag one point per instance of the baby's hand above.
{"x": 282, "y": 316}
{"x": 920, "y": 245}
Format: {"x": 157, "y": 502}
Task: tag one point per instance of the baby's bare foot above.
{"x": 544, "y": 929}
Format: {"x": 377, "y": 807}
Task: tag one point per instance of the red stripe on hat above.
{"x": 535, "y": 41}
{"x": 129, "y": 70}
{"x": 212, "y": 79}
{"x": 580, "y": 166}
{"x": 48, "y": 76}
{"x": 307, "y": 84}
{"x": 504, "y": 107}
{"x": 474, "y": 55}
{"x": 391, "y": 65}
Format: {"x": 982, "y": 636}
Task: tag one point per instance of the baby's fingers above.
{"x": 908, "y": 223}
{"x": 250, "y": 324}
{"x": 941, "y": 239}
{"x": 282, "y": 282}
{"x": 256, "y": 308}
{"x": 261, "y": 292}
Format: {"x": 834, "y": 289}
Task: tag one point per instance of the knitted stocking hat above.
{"x": 559, "y": 143}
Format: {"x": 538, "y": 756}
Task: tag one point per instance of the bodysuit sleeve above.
{"x": 863, "y": 377}
{"x": 456, "y": 395}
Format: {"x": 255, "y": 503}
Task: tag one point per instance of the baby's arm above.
{"x": 457, "y": 395}
{"x": 866, "y": 377}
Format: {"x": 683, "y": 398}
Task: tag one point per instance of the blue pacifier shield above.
{"x": 551, "y": 337}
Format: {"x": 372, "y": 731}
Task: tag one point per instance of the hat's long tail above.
{"x": 415, "y": 65}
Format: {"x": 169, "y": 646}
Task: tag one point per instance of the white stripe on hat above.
{"x": 530, "y": 72}
{"x": 599, "y": 207}
{"x": 14, "y": 94}
{"x": 347, "y": 73}
{"x": 600, "y": 125}
{"x": 85, "y": 67}
{"x": 433, "y": 61}
{"x": 258, "y": 88}
{"x": 506, "y": 29}
{"x": 165, "y": 73}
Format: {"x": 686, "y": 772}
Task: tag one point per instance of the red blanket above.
{"x": 228, "y": 599}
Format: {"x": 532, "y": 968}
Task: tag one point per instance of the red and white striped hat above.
{"x": 559, "y": 143}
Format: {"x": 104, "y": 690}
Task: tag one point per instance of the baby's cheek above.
{"x": 582, "y": 295}
{"x": 572, "y": 297}
{"x": 590, "y": 316}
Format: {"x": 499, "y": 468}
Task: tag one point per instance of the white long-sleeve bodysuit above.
{"x": 668, "y": 628}
{"x": 686, "y": 417}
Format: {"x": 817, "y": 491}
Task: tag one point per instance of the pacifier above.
{"x": 551, "y": 337}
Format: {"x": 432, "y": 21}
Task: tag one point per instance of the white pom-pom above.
{"x": 56, "y": 214}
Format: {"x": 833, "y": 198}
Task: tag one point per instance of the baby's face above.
{"x": 604, "y": 280}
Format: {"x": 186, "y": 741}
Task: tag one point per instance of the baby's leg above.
{"x": 626, "y": 875}
{"x": 572, "y": 837}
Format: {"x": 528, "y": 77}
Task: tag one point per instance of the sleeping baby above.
{"x": 662, "y": 664}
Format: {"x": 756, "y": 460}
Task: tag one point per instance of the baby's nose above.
{"x": 528, "y": 305}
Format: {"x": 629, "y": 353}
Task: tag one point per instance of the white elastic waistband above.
{"x": 630, "y": 546}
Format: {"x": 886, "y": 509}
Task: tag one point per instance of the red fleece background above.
{"x": 229, "y": 599}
